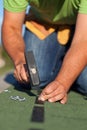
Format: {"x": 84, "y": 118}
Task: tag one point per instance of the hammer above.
{"x": 32, "y": 70}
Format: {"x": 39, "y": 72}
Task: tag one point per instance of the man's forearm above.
{"x": 13, "y": 43}
{"x": 74, "y": 62}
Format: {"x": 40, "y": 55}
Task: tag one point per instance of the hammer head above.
{"x": 32, "y": 70}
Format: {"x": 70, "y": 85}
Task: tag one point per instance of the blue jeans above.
{"x": 49, "y": 55}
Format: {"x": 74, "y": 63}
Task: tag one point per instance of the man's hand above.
{"x": 13, "y": 42}
{"x": 54, "y": 92}
{"x": 74, "y": 62}
{"x": 21, "y": 74}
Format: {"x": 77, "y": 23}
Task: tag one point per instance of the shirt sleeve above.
{"x": 83, "y": 7}
{"x": 15, "y": 5}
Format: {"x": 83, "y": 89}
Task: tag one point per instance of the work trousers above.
{"x": 49, "y": 54}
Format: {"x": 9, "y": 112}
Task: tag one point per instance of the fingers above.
{"x": 20, "y": 73}
{"x": 61, "y": 98}
{"x": 50, "y": 89}
{"x": 24, "y": 74}
{"x": 54, "y": 92}
{"x": 64, "y": 100}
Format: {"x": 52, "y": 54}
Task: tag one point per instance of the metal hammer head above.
{"x": 32, "y": 70}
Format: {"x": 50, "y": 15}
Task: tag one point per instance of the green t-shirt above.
{"x": 53, "y": 11}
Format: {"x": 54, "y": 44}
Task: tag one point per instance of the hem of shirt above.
{"x": 82, "y": 12}
{"x": 15, "y": 11}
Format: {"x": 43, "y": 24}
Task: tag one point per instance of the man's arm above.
{"x": 76, "y": 57}
{"x": 13, "y": 41}
{"x": 74, "y": 62}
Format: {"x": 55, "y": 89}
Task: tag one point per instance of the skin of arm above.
{"x": 73, "y": 63}
{"x": 13, "y": 41}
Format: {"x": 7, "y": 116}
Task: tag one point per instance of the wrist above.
{"x": 19, "y": 60}
{"x": 63, "y": 84}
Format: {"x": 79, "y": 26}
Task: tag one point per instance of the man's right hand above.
{"x": 20, "y": 73}
{"x": 13, "y": 42}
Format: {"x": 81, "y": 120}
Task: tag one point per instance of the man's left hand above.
{"x": 54, "y": 92}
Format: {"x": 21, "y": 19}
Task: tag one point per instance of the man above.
{"x": 58, "y": 66}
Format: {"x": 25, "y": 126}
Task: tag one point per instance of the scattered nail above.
{"x": 6, "y": 90}
{"x": 18, "y": 98}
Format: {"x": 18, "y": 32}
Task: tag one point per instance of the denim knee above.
{"x": 82, "y": 82}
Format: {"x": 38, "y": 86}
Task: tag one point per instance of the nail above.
{"x": 41, "y": 98}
